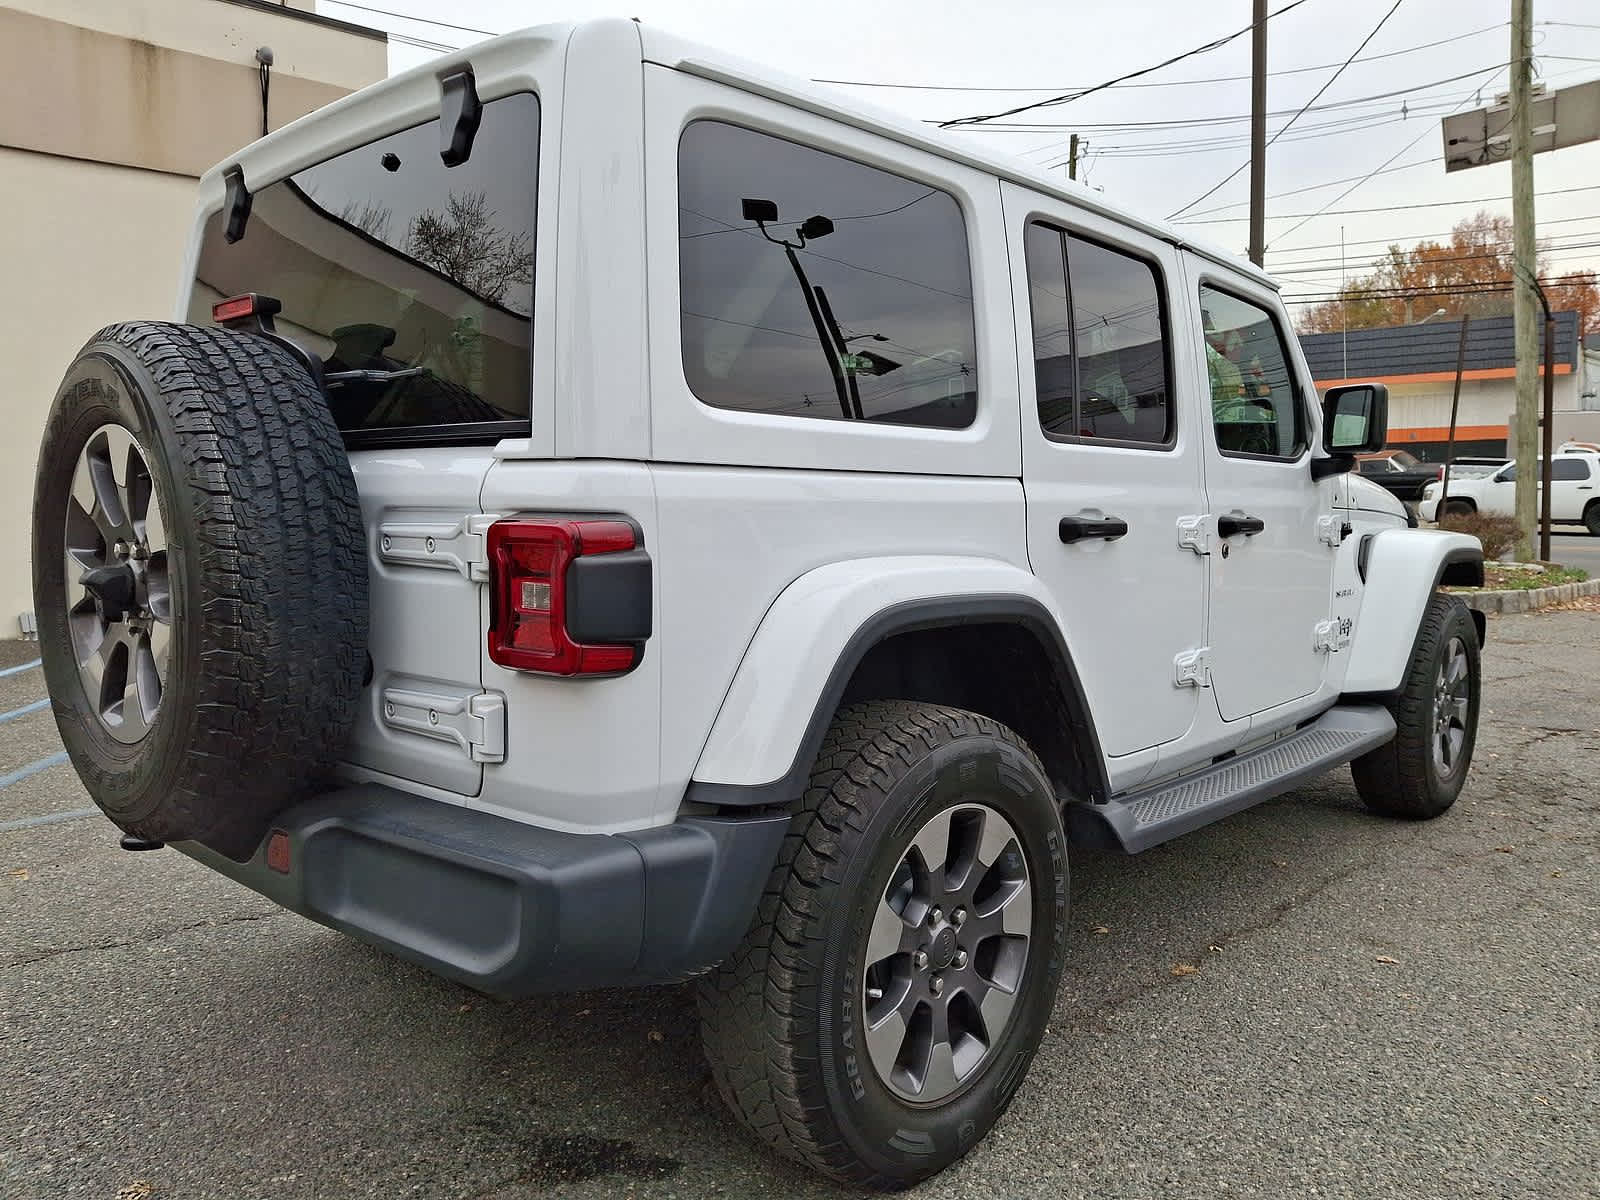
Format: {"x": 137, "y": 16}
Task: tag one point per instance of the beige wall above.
{"x": 217, "y": 29}
{"x": 109, "y": 110}
{"x": 152, "y": 98}
{"x": 89, "y": 244}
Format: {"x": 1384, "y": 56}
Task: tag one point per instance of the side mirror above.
{"x": 1355, "y": 419}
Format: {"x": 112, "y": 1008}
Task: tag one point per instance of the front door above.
{"x": 1271, "y": 523}
{"x": 1111, "y": 466}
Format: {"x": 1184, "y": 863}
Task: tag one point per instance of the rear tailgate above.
{"x": 412, "y": 281}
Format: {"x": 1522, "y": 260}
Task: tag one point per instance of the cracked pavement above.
{"x": 1375, "y": 1009}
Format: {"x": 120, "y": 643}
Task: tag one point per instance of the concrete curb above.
{"x": 1528, "y": 599}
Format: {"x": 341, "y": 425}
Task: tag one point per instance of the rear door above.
{"x": 413, "y": 282}
{"x": 1111, "y": 467}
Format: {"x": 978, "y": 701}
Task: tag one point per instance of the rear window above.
{"x": 814, "y": 286}
{"x": 387, "y": 262}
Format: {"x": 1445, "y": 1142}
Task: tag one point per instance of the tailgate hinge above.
{"x": 476, "y": 723}
{"x": 1194, "y": 533}
{"x": 1332, "y": 636}
{"x": 458, "y": 545}
{"x": 1192, "y": 668}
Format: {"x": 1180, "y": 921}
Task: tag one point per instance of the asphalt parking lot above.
{"x": 1376, "y": 1009}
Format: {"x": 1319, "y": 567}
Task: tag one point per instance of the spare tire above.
{"x": 199, "y": 579}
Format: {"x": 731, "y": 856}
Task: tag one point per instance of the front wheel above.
{"x": 1421, "y": 772}
{"x": 899, "y": 975}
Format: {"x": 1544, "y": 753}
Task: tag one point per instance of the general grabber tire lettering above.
{"x": 200, "y": 581}
{"x": 902, "y": 966}
{"x": 1421, "y": 772}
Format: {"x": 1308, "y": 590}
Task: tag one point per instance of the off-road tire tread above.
{"x": 1393, "y": 779}
{"x": 755, "y": 1019}
{"x": 280, "y": 553}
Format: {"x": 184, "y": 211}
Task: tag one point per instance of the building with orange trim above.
{"x": 1418, "y": 363}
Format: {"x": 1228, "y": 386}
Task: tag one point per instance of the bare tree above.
{"x": 463, "y": 243}
{"x": 372, "y": 219}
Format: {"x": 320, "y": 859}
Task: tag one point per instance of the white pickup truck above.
{"x": 1574, "y": 491}
{"x": 607, "y": 514}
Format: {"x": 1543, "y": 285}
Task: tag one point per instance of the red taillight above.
{"x": 233, "y": 308}
{"x": 1440, "y": 473}
{"x": 530, "y": 565}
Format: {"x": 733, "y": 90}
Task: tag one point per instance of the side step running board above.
{"x": 1141, "y": 819}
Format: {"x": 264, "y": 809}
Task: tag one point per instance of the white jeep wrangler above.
{"x": 605, "y": 515}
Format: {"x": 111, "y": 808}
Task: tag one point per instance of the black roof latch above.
{"x": 237, "y": 204}
{"x": 459, "y": 114}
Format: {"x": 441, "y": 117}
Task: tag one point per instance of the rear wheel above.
{"x": 1421, "y": 772}
{"x": 1591, "y": 517}
{"x": 899, "y": 974}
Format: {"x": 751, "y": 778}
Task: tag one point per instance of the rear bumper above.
{"x": 510, "y": 908}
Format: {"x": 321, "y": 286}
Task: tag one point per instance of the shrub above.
{"x": 1498, "y": 534}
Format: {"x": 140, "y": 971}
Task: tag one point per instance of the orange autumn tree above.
{"x": 1468, "y": 274}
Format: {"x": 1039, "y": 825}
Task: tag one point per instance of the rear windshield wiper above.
{"x": 339, "y": 378}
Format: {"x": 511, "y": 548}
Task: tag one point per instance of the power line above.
{"x": 1232, "y": 118}
{"x": 1312, "y": 187}
{"x": 1386, "y": 162}
{"x": 960, "y": 87}
{"x": 1332, "y": 79}
{"x": 1550, "y": 254}
{"x": 386, "y": 12}
{"x": 1383, "y": 209}
{"x": 1423, "y": 237}
{"x": 1069, "y": 96}
{"x": 1469, "y": 242}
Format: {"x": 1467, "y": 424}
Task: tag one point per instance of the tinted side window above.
{"x": 1568, "y": 468}
{"x": 1255, "y": 402}
{"x": 1046, "y": 250}
{"x": 814, "y": 286}
{"x": 1100, "y": 342}
{"x": 387, "y": 262}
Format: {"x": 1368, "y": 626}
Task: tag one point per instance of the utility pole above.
{"x": 1072, "y": 157}
{"x": 1258, "y": 134}
{"x": 1525, "y": 420}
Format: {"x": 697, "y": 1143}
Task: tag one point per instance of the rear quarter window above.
{"x": 815, "y": 286}
{"x": 387, "y": 262}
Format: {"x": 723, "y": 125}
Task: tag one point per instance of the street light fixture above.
{"x": 765, "y": 212}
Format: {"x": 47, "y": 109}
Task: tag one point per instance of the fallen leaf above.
{"x": 1279, "y": 862}
{"x": 1100, "y": 929}
{"x": 1384, "y": 958}
{"x": 1557, "y": 873}
{"x": 1215, "y": 949}
{"x": 139, "y": 1189}
{"x": 583, "y": 1012}
{"x": 1542, "y": 1101}
{"x": 464, "y": 1008}
{"x": 19, "y": 874}
{"x": 1183, "y": 969}
{"x": 657, "y": 1036}
{"x": 1505, "y": 849}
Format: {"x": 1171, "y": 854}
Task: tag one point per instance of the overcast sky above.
{"x": 1158, "y": 169}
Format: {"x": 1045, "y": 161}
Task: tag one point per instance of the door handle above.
{"x": 1234, "y": 523}
{"x": 1076, "y": 529}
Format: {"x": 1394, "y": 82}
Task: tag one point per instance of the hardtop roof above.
{"x": 669, "y": 50}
